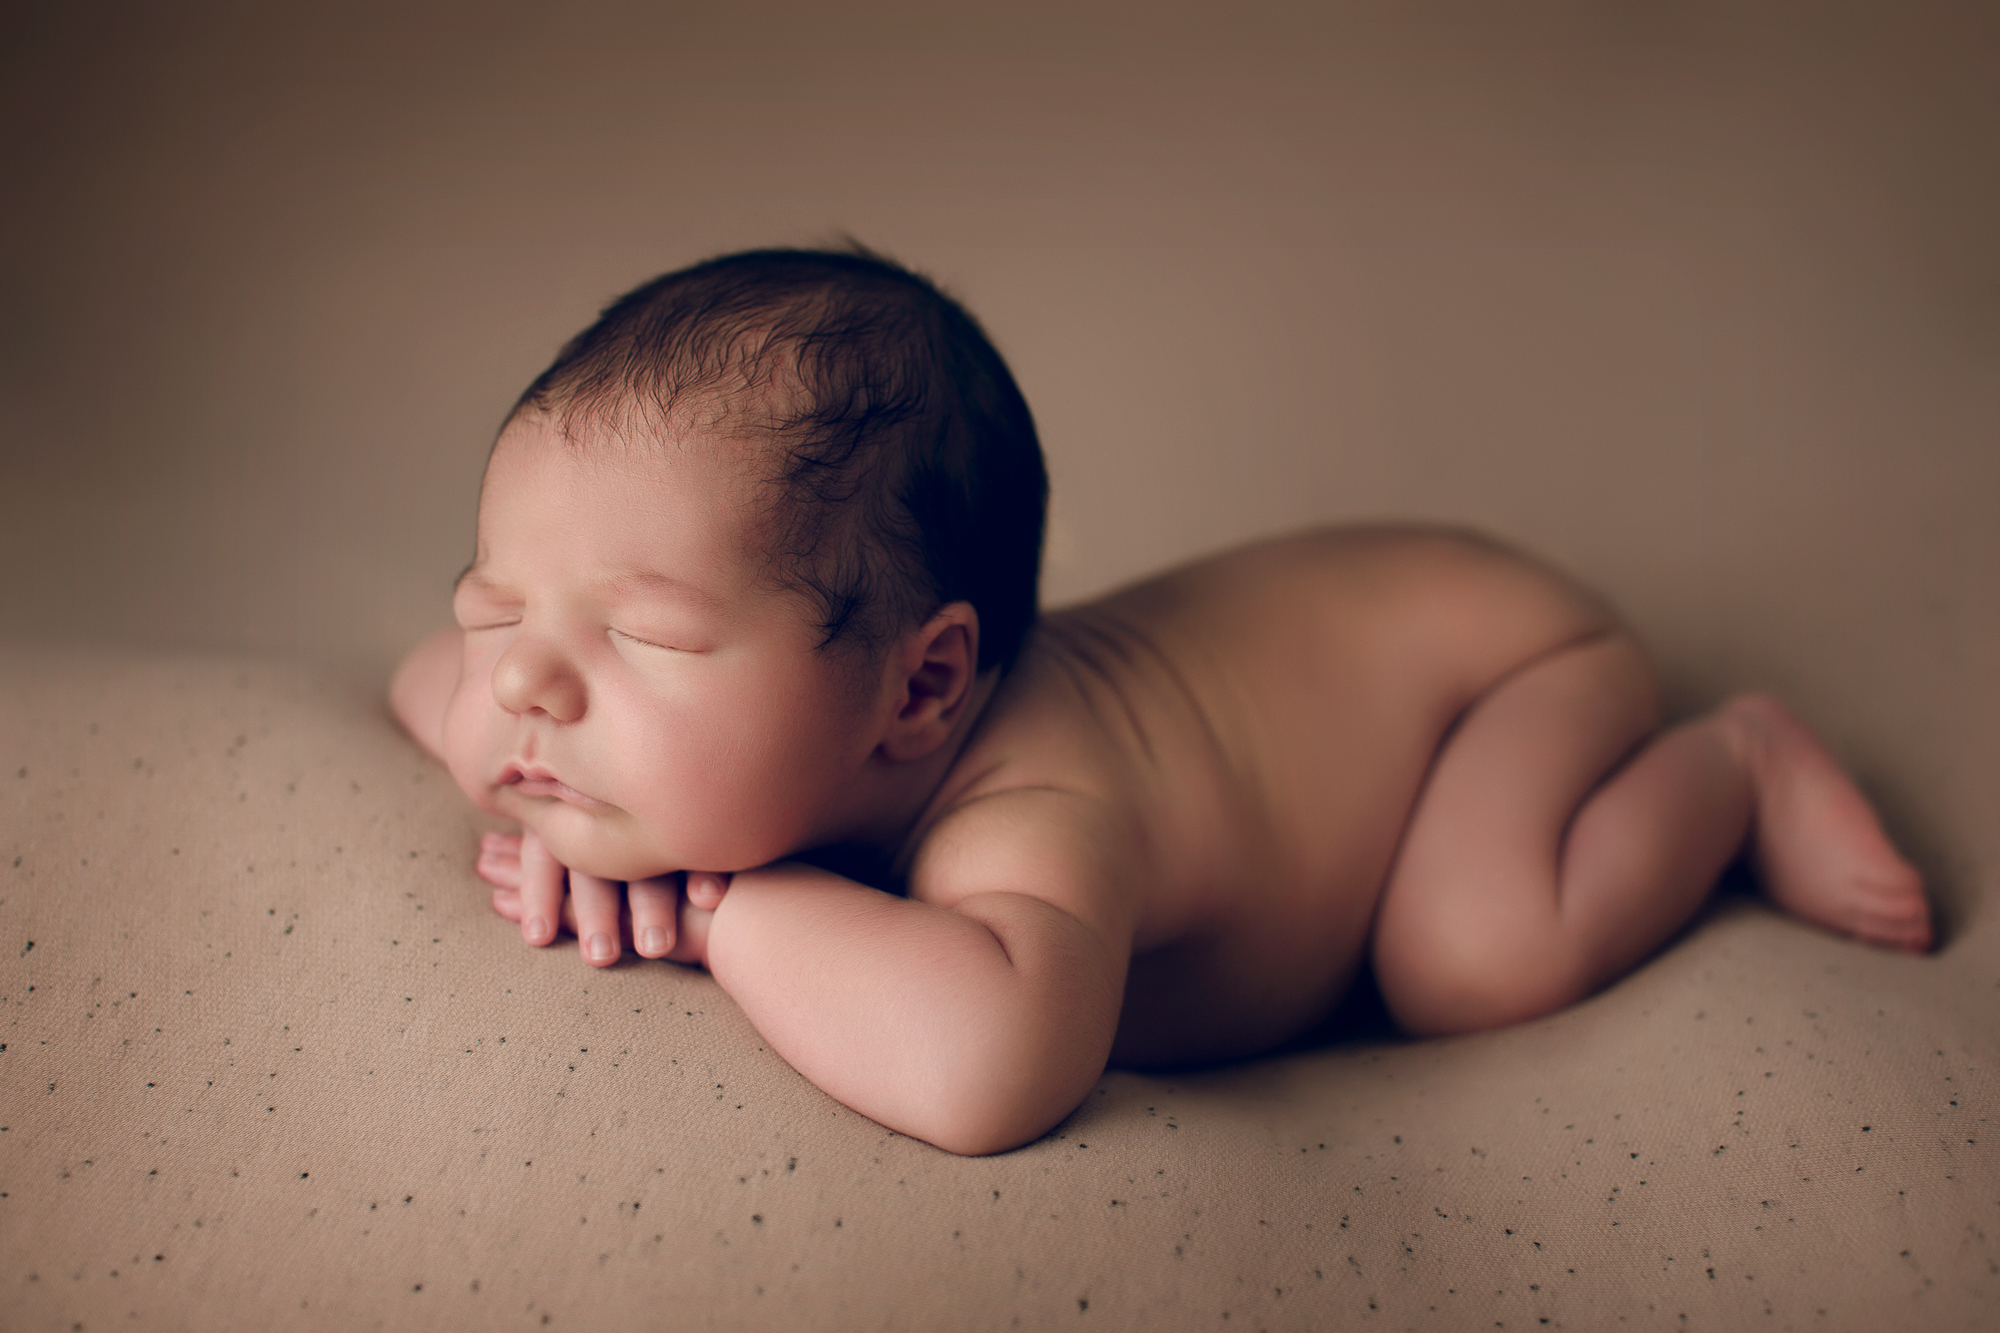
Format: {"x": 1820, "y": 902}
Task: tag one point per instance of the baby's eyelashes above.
{"x": 625, "y": 634}
{"x": 667, "y": 643}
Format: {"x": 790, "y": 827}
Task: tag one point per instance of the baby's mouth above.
{"x": 539, "y": 782}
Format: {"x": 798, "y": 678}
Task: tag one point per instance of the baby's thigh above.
{"x": 1469, "y": 917}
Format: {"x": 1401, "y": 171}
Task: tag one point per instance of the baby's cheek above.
{"x": 699, "y": 828}
{"x": 464, "y": 744}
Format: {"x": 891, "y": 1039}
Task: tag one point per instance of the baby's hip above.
{"x": 1281, "y": 943}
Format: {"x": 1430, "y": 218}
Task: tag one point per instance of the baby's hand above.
{"x": 663, "y": 917}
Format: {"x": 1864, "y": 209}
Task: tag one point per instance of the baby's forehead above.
{"x": 573, "y": 474}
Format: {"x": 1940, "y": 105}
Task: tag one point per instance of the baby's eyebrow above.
{"x": 628, "y": 581}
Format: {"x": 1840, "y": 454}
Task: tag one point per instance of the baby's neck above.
{"x": 864, "y": 864}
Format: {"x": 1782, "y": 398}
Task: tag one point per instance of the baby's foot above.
{"x": 1821, "y": 851}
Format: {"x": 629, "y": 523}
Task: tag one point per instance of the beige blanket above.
{"x": 269, "y": 1060}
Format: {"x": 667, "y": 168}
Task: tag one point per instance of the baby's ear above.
{"x": 933, "y": 669}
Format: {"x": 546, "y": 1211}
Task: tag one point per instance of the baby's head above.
{"x": 733, "y": 545}
{"x": 903, "y": 464}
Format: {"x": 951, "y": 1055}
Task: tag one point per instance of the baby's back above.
{"x": 1267, "y": 718}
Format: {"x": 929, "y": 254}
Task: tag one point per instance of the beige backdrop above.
{"x": 1699, "y": 300}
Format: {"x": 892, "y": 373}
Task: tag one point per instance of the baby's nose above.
{"x": 531, "y": 676}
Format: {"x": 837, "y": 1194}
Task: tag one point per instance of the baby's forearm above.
{"x": 423, "y": 685}
{"x": 975, "y": 1028}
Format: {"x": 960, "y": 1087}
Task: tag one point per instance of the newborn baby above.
{"x": 749, "y": 648}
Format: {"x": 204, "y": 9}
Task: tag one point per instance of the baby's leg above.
{"x": 1537, "y": 866}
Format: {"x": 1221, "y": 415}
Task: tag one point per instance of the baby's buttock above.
{"x": 1324, "y": 670}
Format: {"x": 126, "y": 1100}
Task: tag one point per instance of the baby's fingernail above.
{"x": 655, "y": 941}
{"x": 538, "y": 928}
{"x": 601, "y": 948}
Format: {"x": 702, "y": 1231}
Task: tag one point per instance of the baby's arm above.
{"x": 974, "y": 1014}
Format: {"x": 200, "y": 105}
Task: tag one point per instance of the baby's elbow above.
{"x": 978, "y": 1140}
{"x": 972, "y": 1128}
{"x": 997, "y": 1100}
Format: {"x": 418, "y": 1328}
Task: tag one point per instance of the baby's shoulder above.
{"x": 1069, "y": 848}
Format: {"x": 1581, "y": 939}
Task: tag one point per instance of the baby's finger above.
{"x": 705, "y": 889}
{"x": 691, "y": 941}
{"x": 654, "y": 904}
{"x": 597, "y": 903}
{"x": 499, "y": 862}
{"x": 542, "y": 888}
{"x": 507, "y": 902}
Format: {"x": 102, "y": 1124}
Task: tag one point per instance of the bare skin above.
{"x": 1172, "y": 833}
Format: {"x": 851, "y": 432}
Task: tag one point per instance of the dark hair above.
{"x": 909, "y": 470}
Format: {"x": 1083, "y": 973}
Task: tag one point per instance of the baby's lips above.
{"x": 541, "y": 782}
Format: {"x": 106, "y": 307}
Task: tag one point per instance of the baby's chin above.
{"x": 611, "y": 842}
{"x": 611, "y": 862}
{"x": 610, "y": 857}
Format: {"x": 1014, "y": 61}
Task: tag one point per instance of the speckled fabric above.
{"x": 270, "y": 1061}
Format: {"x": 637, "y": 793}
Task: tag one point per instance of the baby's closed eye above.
{"x": 652, "y": 639}
{"x": 475, "y": 607}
